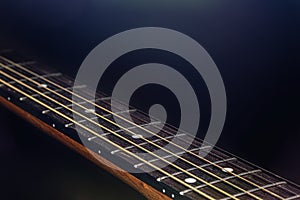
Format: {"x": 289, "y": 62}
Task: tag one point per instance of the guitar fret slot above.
{"x": 257, "y": 189}
{"x": 218, "y": 181}
{"x": 193, "y": 168}
{"x": 171, "y": 155}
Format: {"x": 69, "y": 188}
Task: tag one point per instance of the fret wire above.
{"x": 107, "y": 140}
{"x": 204, "y": 165}
{"x": 263, "y": 178}
{"x": 254, "y": 174}
{"x": 293, "y": 197}
{"x": 199, "y": 140}
{"x": 257, "y": 189}
{"x": 193, "y": 168}
{"x": 125, "y": 139}
{"x": 35, "y": 77}
{"x": 185, "y": 160}
{"x": 69, "y": 105}
{"x": 93, "y": 118}
{"x": 234, "y": 176}
{"x": 162, "y": 138}
{"x": 217, "y": 181}
{"x": 144, "y": 143}
{"x": 168, "y": 156}
{"x": 143, "y": 125}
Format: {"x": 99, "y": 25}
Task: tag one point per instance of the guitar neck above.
{"x": 126, "y": 149}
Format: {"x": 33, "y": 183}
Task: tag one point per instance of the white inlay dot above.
{"x": 190, "y": 180}
{"x": 227, "y": 169}
{"x": 42, "y": 85}
{"x": 90, "y": 110}
{"x": 137, "y": 136}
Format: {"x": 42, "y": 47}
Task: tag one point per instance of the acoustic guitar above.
{"x": 44, "y": 99}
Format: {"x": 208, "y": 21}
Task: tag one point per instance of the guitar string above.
{"x": 261, "y": 177}
{"x": 187, "y": 161}
{"x": 174, "y": 145}
{"x": 199, "y": 142}
{"x": 107, "y": 140}
{"x": 213, "y": 174}
{"x": 192, "y": 153}
{"x": 123, "y": 138}
{"x": 154, "y": 144}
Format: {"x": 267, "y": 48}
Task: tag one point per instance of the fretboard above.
{"x": 47, "y": 95}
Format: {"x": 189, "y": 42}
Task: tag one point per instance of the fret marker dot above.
{"x": 90, "y": 111}
{"x": 137, "y": 136}
{"x": 42, "y": 86}
{"x": 53, "y": 125}
{"x": 190, "y": 180}
{"x": 227, "y": 169}
{"x": 8, "y": 98}
{"x": 173, "y": 196}
{"x": 164, "y": 191}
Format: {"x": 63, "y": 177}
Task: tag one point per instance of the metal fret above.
{"x": 257, "y": 189}
{"x": 193, "y": 168}
{"x": 171, "y": 155}
{"x": 94, "y": 137}
{"x": 144, "y": 143}
{"x": 106, "y": 115}
{"x": 265, "y": 179}
{"x": 80, "y": 103}
{"x": 137, "y": 126}
{"x": 120, "y": 112}
{"x": 56, "y": 90}
{"x": 293, "y": 197}
{"x": 218, "y": 181}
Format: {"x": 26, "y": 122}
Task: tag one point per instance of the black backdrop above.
{"x": 255, "y": 45}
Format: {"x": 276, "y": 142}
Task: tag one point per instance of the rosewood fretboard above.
{"x": 44, "y": 98}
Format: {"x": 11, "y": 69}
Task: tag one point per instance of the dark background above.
{"x": 255, "y": 45}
